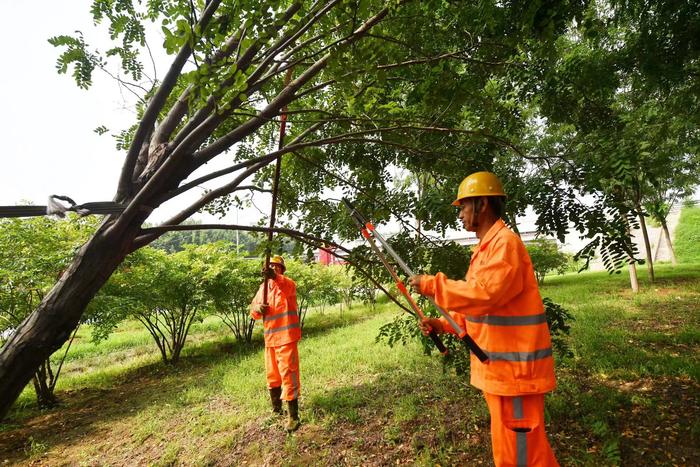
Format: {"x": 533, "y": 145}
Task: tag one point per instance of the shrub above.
{"x": 546, "y": 257}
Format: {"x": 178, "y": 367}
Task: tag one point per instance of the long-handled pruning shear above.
{"x": 370, "y": 234}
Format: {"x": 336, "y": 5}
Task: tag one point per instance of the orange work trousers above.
{"x": 282, "y": 365}
{"x": 517, "y": 431}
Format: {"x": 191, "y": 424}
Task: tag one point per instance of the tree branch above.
{"x": 156, "y": 104}
{"x": 286, "y": 96}
{"x": 236, "y": 167}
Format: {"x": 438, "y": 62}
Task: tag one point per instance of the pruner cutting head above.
{"x": 354, "y": 212}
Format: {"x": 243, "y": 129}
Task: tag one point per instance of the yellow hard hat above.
{"x": 277, "y": 259}
{"x": 479, "y": 184}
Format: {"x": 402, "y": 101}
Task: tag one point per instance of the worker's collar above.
{"x": 495, "y": 228}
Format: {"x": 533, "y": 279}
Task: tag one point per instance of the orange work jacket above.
{"x": 499, "y": 305}
{"x": 281, "y": 323}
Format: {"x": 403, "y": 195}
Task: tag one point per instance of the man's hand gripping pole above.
{"x": 368, "y": 230}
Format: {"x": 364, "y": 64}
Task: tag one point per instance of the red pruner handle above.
{"x": 438, "y": 342}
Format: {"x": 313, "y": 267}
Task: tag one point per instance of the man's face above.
{"x": 466, "y": 209}
{"x": 277, "y": 268}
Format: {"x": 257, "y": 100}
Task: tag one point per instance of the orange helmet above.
{"x": 479, "y": 184}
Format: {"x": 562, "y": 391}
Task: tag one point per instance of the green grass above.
{"x": 687, "y": 236}
{"x": 628, "y": 395}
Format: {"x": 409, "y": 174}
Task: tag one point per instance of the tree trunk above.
{"x": 634, "y": 282}
{"x": 48, "y": 327}
{"x": 647, "y": 246}
{"x": 667, "y": 236}
{"x": 45, "y": 397}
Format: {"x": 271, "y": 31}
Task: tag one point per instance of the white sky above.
{"x": 47, "y": 127}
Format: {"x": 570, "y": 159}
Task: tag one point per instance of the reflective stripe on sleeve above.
{"x": 281, "y": 328}
{"x": 501, "y": 320}
{"x": 520, "y": 356}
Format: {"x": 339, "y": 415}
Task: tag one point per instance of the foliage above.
{"x": 546, "y": 256}
{"x": 688, "y": 235}
{"x": 559, "y": 321}
{"x": 176, "y": 241}
{"x": 165, "y": 292}
{"x": 318, "y": 285}
{"x": 442, "y": 88}
{"x": 401, "y": 330}
{"x": 33, "y": 253}
{"x": 614, "y": 123}
{"x": 232, "y": 282}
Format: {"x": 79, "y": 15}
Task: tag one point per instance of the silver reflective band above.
{"x": 520, "y": 438}
{"x": 521, "y": 449}
{"x": 279, "y": 315}
{"x": 501, "y": 320}
{"x": 518, "y": 407}
{"x": 520, "y": 356}
{"x": 295, "y": 378}
{"x": 282, "y": 328}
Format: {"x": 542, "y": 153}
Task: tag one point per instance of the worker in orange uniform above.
{"x": 500, "y": 306}
{"x": 282, "y": 331}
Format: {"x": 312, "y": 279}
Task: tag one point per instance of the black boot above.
{"x": 276, "y": 399}
{"x": 293, "y": 419}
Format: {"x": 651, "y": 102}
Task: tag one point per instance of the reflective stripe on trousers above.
{"x": 518, "y": 435}
{"x": 282, "y": 365}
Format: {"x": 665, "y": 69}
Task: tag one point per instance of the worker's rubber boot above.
{"x": 276, "y": 400}
{"x": 293, "y": 418}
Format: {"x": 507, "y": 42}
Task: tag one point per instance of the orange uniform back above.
{"x": 500, "y": 306}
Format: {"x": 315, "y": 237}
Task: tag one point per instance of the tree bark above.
{"x": 51, "y": 324}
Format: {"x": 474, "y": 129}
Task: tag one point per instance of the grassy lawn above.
{"x": 687, "y": 236}
{"x": 629, "y": 395}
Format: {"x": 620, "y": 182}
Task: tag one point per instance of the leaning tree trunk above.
{"x": 47, "y": 328}
{"x": 647, "y": 246}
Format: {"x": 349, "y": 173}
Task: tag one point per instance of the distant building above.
{"x": 326, "y": 257}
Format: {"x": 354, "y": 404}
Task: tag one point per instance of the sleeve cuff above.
{"x": 427, "y": 286}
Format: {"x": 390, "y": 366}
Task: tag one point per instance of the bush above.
{"x": 546, "y": 257}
